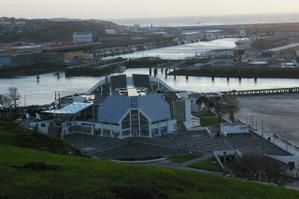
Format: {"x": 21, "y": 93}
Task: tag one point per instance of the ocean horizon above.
{"x": 210, "y": 20}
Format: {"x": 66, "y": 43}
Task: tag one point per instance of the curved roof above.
{"x": 113, "y": 109}
{"x": 153, "y": 106}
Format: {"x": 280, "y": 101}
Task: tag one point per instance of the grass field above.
{"x": 210, "y": 121}
{"x": 208, "y": 114}
{"x": 62, "y": 176}
{"x": 182, "y": 158}
{"x": 207, "y": 165}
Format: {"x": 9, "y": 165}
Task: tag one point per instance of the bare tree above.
{"x": 14, "y": 95}
{"x": 232, "y": 107}
{"x": 261, "y": 168}
{"x": 203, "y": 101}
{"x": 5, "y": 101}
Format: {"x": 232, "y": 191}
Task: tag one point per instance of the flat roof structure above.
{"x": 132, "y": 92}
{"x": 71, "y": 109}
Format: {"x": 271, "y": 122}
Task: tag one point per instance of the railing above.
{"x": 279, "y": 142}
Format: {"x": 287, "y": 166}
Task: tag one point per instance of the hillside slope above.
{"x": 48, "y": 30}
{"x": 27, "y": 173}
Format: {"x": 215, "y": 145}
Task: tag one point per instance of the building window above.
{"x": 126, "y": 133}
{"x": 97, "y": 131}
{"x": 106, "y": 132}
{"x": 135, "y": 122}
{"x": 155, "y": 132}
{"x": 115, "y": 134}
{"x": 164, "y": 130}
{"x": 126, "y": 122}
{"x": 144, "y": 125}
{"x": 43, "y": 125}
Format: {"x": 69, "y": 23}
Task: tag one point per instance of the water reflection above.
{"x": 44, "y": 91}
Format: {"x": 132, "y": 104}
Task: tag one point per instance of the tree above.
{"x": 5, "y": 101}
{"x": 203, "y": 101}
{"x": 14, "y": 95}
{"x": 260, "y": 168}
{"x": 231, "y": 107}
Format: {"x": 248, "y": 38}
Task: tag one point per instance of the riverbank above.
{"x": 91, "y": 69}
{"x": 28, "y": 70}
{"x": 239, "y": 72}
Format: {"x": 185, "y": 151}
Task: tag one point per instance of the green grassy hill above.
{"x": 28, "y": 173}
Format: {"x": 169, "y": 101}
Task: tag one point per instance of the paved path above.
{"x": 169, "y": 164}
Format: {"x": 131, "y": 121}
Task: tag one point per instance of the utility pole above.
{"x": 262, "y": 124}
{"x": 24, "y": 100}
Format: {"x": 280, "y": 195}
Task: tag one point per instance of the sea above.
{"x": 210, "y": 20}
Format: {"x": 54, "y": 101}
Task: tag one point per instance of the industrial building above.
{"x": 121, "y": 107}
{"x": 30, "y": 58}
{"x": 190, "y": 36}
{"x": 288, "y": 51}
{"x": 213, "y": 34}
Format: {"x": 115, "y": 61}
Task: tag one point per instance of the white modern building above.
{"x": 122, "y": 107}
{"x": 82, "y": 37}
{"x": 135, "y": 116}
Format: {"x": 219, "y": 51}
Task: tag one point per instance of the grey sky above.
{"x": 106, "y": 9}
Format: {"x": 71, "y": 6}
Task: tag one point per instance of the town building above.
{"x": 213, "y": 34}
{"x": 82, "y": 37}
{"x": 190, "y": 36}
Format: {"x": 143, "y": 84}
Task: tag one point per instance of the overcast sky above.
{"x": 105, "y": 9}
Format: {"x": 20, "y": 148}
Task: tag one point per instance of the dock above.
{"x": 273, "y": 91}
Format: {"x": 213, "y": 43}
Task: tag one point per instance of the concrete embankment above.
{"x": 35, "y": 69}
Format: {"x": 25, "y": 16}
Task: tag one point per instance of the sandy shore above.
{"x": 278, "y": 114}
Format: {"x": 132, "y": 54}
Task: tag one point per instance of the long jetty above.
{"x": 274, "y": 91}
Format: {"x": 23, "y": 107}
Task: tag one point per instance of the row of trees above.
{"x": 11, "y": 99}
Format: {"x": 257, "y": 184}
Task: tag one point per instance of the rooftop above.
{"x": 115, "y": 107}
{"x": 71, "y": 109}
{"x": 294, "y": 45}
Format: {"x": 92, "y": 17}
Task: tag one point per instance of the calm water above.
{"x": 184, "y": 51}
{"x": 211, "y": 20}
{"x": 43, "y": 92}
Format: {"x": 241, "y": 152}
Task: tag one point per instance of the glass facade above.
{"x": 126, "y": 122}
{"x": 144, "y": 125}
{"x": 106, "y": 132}
{"x": 155, "y": 132}
{"x": 135, "y": 124}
